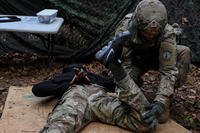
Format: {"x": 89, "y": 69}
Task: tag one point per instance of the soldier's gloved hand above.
{"x": 106, "y": 54}
{"x": 152, "y": 113}
{"x": 80, "y": 76}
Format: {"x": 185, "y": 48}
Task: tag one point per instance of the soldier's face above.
{"x": 150, "y": 34}
{"x": 152, "y": 30}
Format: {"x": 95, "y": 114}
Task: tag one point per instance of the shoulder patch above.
{"x": 167, "y": 55}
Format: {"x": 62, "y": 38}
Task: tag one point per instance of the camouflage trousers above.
{"x": 83, "y": 104}
{"x": 183, "y": 64}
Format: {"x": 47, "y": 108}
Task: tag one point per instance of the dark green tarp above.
{"x": 87, "y": 24}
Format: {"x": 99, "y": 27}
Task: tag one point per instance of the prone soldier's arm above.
{"x": 127, "y": 90}
{"x": 111, "y": 51}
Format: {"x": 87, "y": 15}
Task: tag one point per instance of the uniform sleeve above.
{"x": 128, "y": 91}
{"x": 167, "y": 68}
{"x": 124, "y": 24}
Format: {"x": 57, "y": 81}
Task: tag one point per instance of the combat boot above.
{"x": 164, "y": 117}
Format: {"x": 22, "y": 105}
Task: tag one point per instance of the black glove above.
{"x": 152, "y": 113}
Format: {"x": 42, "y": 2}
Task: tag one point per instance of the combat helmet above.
{"x": 150, "y": 15}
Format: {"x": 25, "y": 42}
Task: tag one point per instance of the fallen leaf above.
{"x": 185, "y": 20}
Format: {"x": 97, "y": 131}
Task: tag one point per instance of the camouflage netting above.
{"x": 88, "y": 23}
{"x": 187, "y": 14}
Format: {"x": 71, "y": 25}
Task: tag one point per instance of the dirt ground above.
{"x": 186, "y": 101}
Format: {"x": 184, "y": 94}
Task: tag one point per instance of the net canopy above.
{"x": 88, "y": 24}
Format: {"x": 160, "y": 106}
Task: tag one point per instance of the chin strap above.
{"x": 4, "y": 19}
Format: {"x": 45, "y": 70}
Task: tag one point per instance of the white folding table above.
{"x": 30, "y": 24}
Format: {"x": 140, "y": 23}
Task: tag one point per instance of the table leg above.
{"x": 50, "y": 46}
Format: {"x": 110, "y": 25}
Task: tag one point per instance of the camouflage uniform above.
{"x": 164, "y": 54}
{"x": 83, "y": 104}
